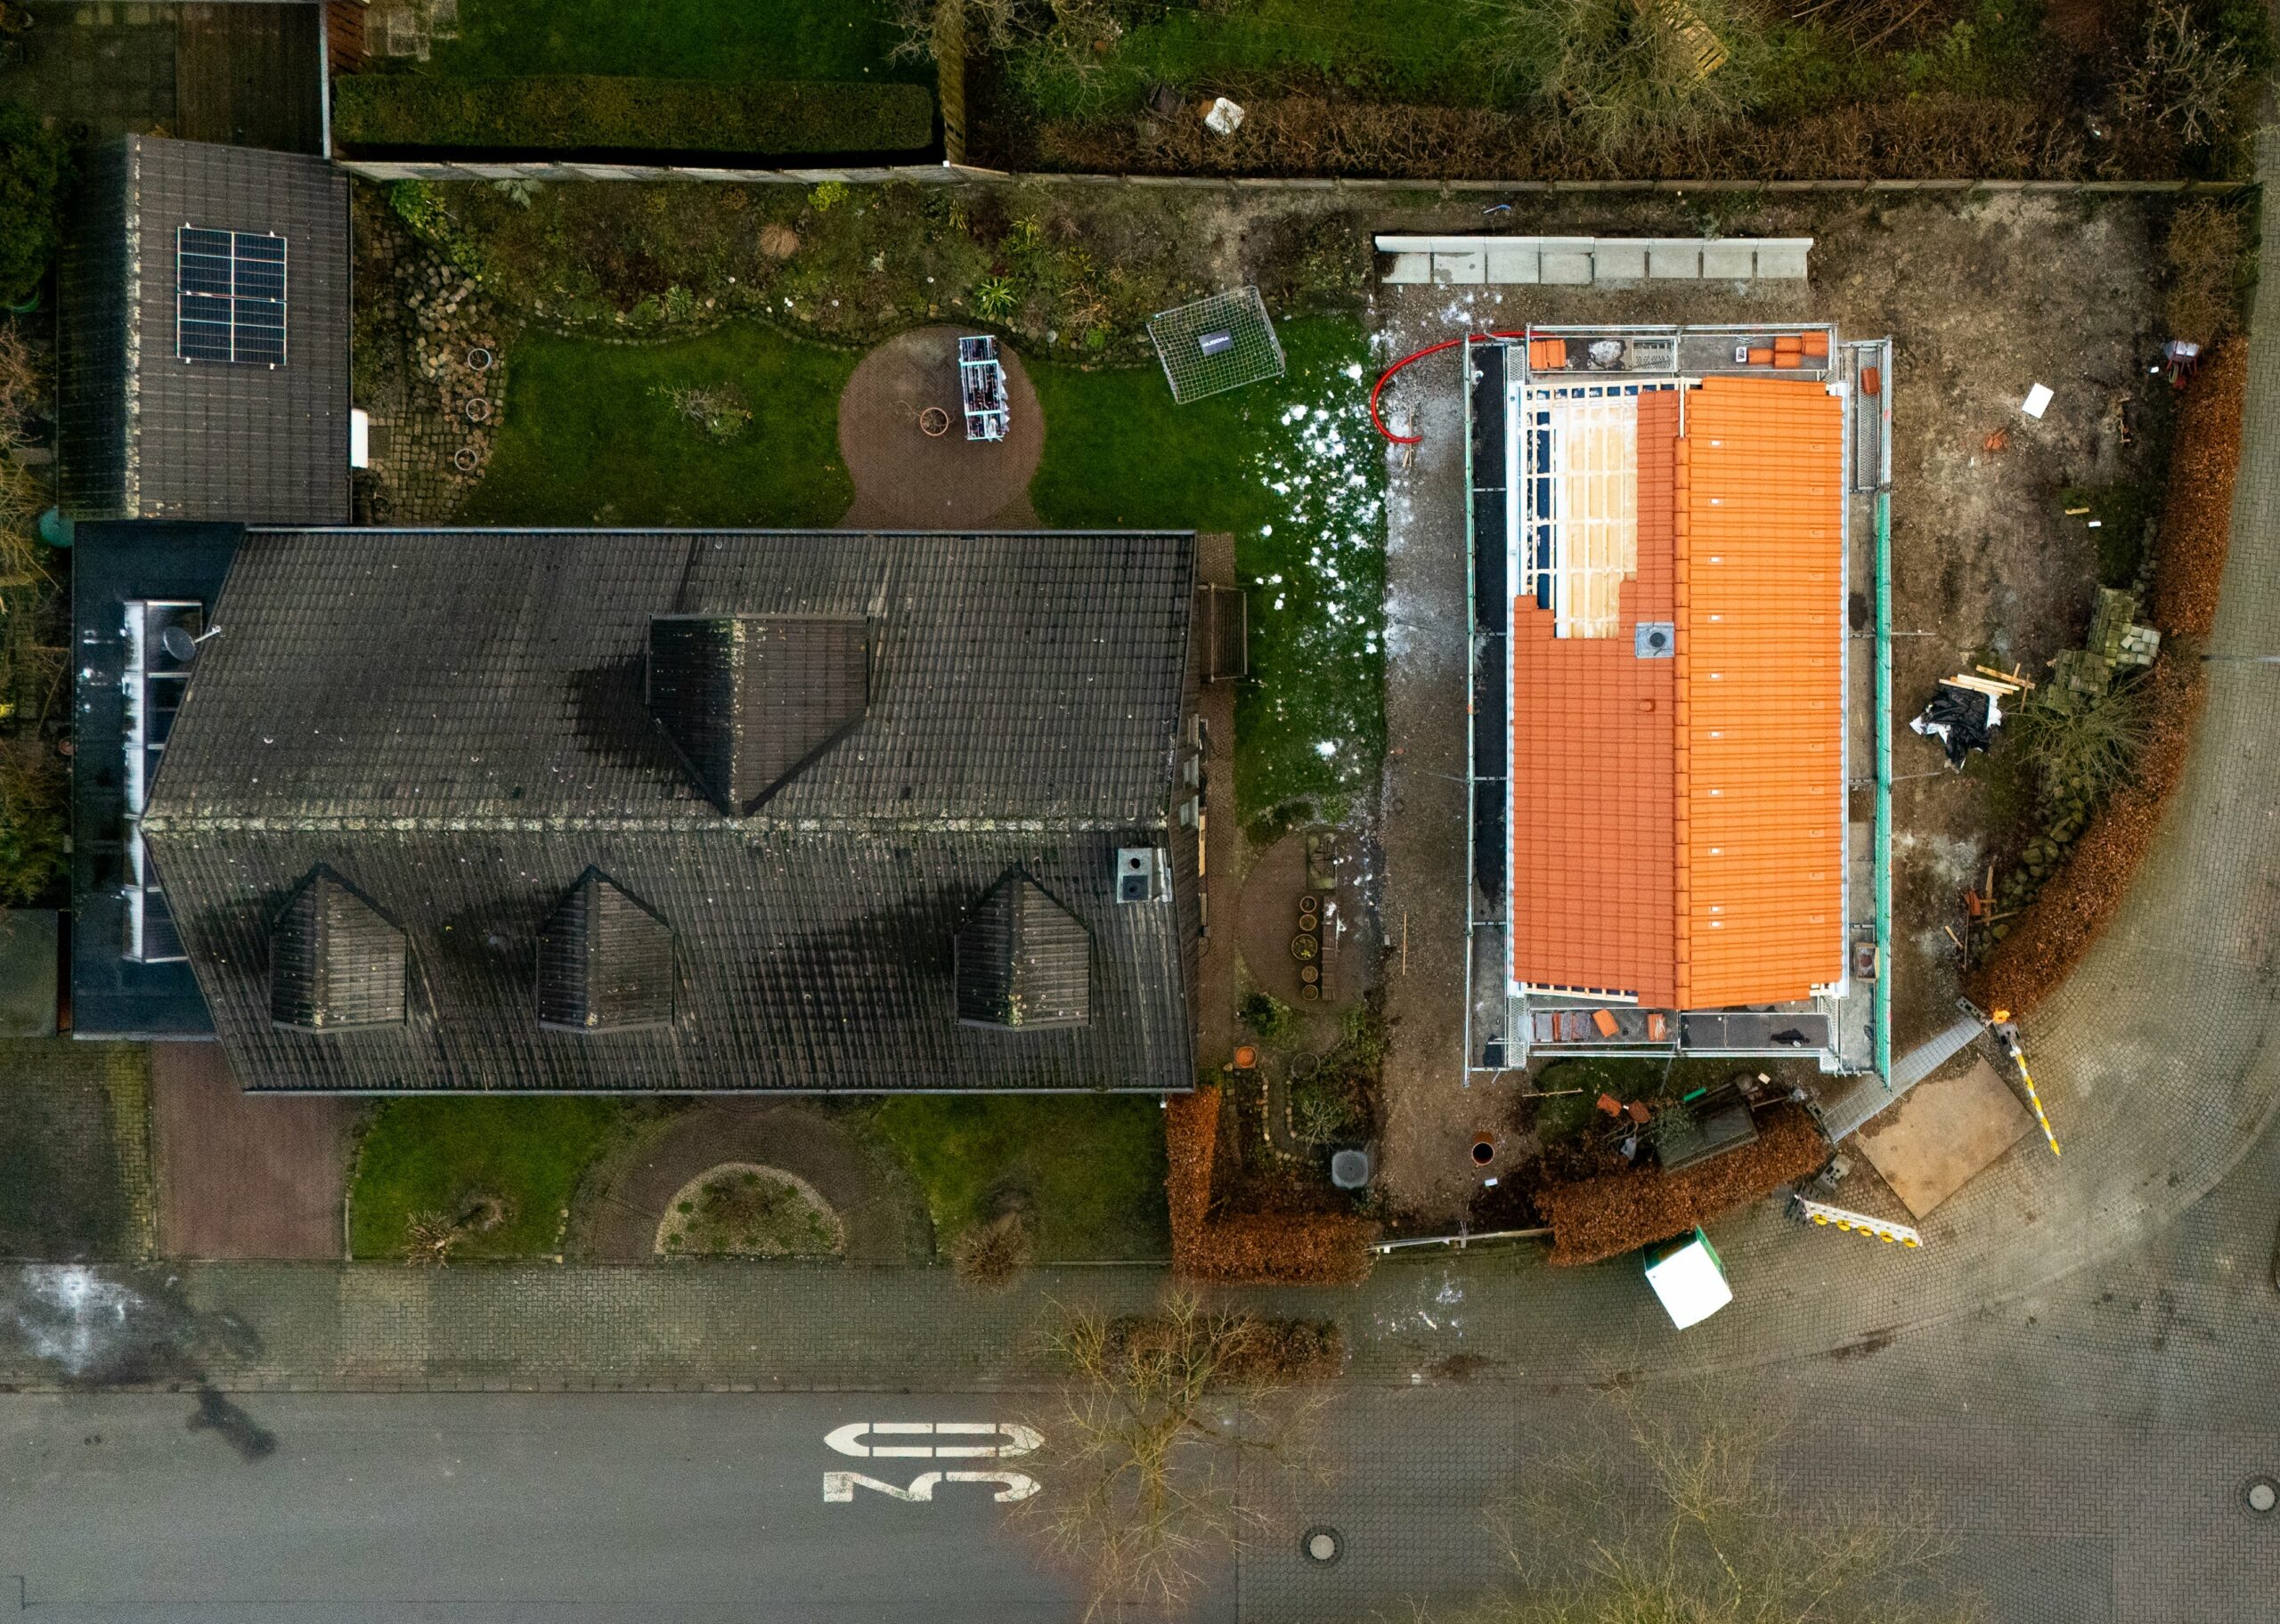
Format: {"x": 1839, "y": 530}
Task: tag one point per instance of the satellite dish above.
{"x": 179, "y": 645}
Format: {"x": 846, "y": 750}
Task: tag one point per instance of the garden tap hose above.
{"x": 1385, "y": 376}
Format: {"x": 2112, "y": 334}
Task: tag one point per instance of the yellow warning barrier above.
{"x": 1858, "y": 1223}
{"x": 2007, "y": 1036}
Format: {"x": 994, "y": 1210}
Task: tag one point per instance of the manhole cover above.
{"x": 2263, "y": 1495}
{"x": 1321, "y": 1544}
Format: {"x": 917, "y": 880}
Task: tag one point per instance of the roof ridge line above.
{"x": 487, "y": 823}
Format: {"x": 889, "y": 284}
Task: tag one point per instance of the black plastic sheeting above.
{"x": 1962, "y": 719}
{"x": 1491, "y": 599}
{"x": 1489, "y": 755}
{"x": 1489, "y": 591}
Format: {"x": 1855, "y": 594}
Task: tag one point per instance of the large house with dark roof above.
{"x": 767, "y": 810}
{"x": 572, "y": 810}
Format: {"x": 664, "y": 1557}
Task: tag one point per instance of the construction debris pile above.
{"x": 1966, "y": 711}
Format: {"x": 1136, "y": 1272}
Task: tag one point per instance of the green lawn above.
{"x": 1294, "y": 469}
{"x": 1090, "y": 1168}
{"x": 589, "y": 438}
{"x": 684, "y": 39}
{"x": 439, "y": 1154}
{"x": 1425, "y": 50}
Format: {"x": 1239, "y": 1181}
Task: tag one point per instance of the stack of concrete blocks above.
{"x": 2117, "y": 643}
{"x": 1473, "y": 262}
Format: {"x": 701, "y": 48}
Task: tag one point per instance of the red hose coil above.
{"x": 1431, "y": 349}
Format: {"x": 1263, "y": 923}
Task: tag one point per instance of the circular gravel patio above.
{"x": 906, "y": 479}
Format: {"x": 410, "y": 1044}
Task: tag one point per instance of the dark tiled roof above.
{"x": 146, "y": 435}
{"x": 747, "y": 699}
{"x": 1024, "y": 961}
{"x": 335, "y": 964}
{"x": 604, "y": 963}
{"x": 465, "y": 674}
{"x": 806, "y": 960}
{"x": 455, "y": 723}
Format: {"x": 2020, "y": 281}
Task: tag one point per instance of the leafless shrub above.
{"x": 1629, "y": 77}
{"x": 1871, "y": 23}
{"x": 428, "y": 1238}
{"x": 991, "y": 1257}
{"x": 2085, "y": 752}
{"x": 717, "y": 409}
{"x": 431, "y": 1236}
{"x": 1679, "y": 1513}
{"x": 1159, "y": 1421}
{"x": 2206, "y": 250}
{"x": 2181, "y": 80}
{"x": 20, "y": 386}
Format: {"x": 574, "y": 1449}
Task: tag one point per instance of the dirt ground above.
{"x": 1272, "y": 884}
{"x": 1984, "y": 298}
{"x": 906, "y": 479}
{"x": 244, "y": 1175}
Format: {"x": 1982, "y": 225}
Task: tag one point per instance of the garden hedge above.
{"x": 1609, "y": 1214}
{"x": 588, "y": 112}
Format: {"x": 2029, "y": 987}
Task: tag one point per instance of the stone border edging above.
{"x": 953, "y": 174}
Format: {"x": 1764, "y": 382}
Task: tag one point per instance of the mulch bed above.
{"x": 1922, "y": 137}
{"x": 2073, "y": 908}
{"x": 1609, "y": 1213}
{"x": 2197, "y": 519}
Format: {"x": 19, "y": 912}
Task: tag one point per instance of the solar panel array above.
{"x": 229, "y": 294}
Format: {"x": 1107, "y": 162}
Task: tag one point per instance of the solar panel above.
{"x": 230, "y": 296}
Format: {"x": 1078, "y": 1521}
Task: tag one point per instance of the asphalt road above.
{"x": 494, "y": 1507}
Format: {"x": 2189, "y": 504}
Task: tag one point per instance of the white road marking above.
{"x": 1018, "y": 1439}
{"x": 839, "y": 1487}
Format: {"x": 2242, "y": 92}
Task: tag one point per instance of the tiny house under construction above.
{"x": 1668, "y": 855}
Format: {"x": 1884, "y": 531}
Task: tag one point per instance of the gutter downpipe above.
{"x": 324, "y": 83}
{"x": 1881, "y": 1006}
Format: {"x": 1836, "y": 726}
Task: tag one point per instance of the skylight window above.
{"x": 230, "y": 296}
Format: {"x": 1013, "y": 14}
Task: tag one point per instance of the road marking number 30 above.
{"x": 930, "y": 1441}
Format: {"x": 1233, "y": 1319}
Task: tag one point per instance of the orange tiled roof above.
{"x": 1676, "y": 829}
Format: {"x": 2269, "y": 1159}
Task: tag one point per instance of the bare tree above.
{"x": 1634, "y": 78}
{"x": 1678, "y": 1517}
{"x": 1145, "y": 1452}
{"x": 1072, "y": 34}
{"x": 2181, "y": 80}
